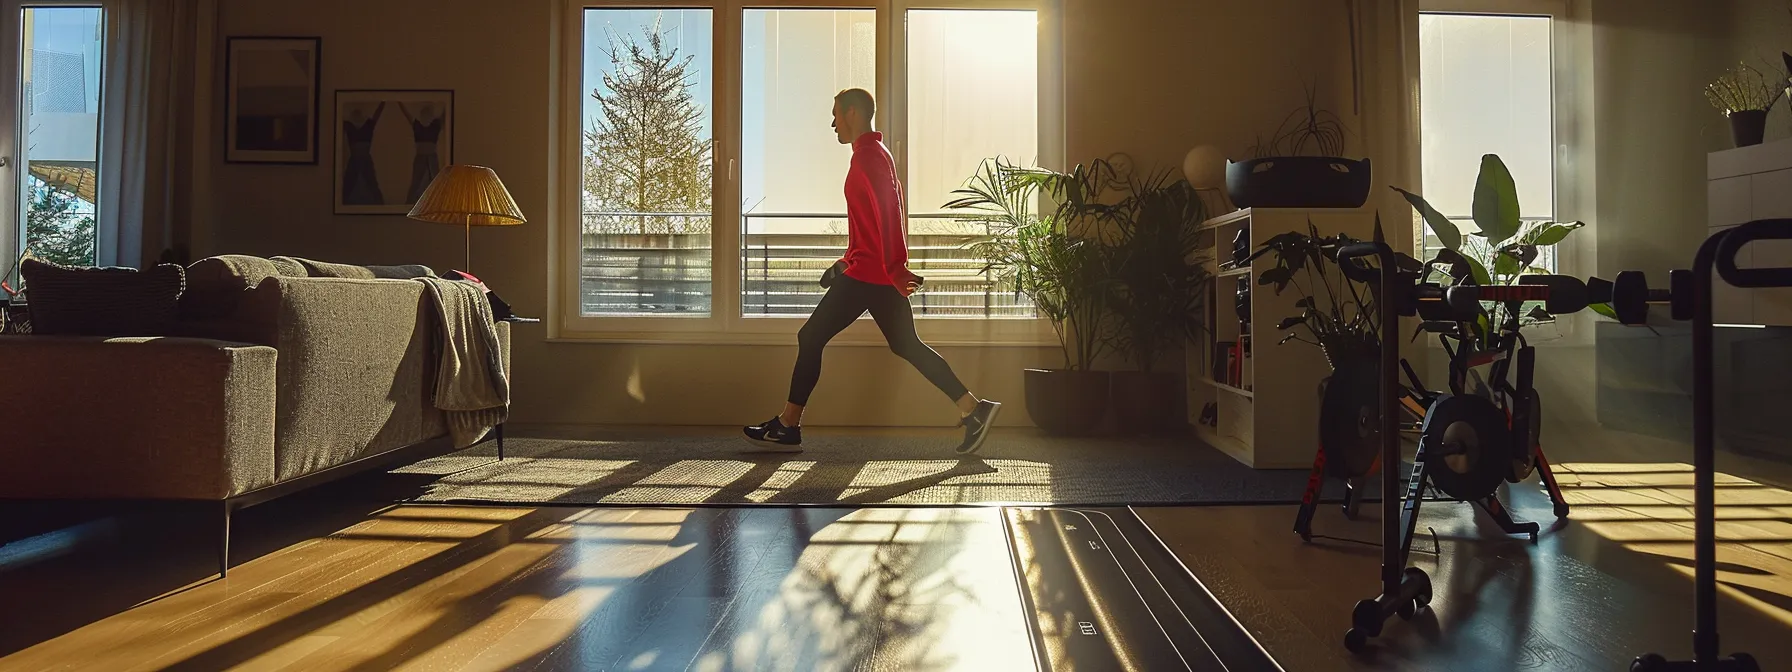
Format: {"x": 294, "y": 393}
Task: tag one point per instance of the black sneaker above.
{"x": 773, "y": 435}
{"x": 976, "y": 426}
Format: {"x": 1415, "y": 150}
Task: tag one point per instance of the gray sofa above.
{"x": 283, "y": 373}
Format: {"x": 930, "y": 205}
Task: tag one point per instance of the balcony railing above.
{"x": 663, "y": 267}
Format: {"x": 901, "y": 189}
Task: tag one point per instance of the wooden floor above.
{"x": 451, "y": 588}
{"x": 1613, "y": 582}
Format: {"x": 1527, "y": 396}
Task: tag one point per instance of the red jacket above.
{"x": 877, "y": 221}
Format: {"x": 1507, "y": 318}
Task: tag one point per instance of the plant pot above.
{"x": 1747, "y": 127}
{"x": 1298, "y": 182}
{"x": 1147, "y": 402}
{"x": 1064, "y": 402}
{"x": 1342, "y": 351}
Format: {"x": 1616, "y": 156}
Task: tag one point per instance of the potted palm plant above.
{"x": 1043, "y": 255}
{"x": 1157, "y": 297}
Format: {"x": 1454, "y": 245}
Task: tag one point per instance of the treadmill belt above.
{"x": 1104, "y": 594}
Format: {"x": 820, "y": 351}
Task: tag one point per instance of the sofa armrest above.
{"x": 354, "y": 355}
{"x": 161, "y": 418}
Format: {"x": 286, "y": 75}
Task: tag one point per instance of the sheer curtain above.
{"x": 1386, "y": 49}
{"x": 151, "y": 101}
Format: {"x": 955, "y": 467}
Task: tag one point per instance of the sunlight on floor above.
{"x": 1648, "y": 508}
{"x": 902, "y": 581}
{"x": 722, "y": 480}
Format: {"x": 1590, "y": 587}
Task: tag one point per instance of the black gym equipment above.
{"x": 1468, "y": 443}
{"x": 1689, "y": 294}
{"x": 1404, "y": 590}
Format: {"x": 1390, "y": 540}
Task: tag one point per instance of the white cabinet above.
{"x": 1746, "y": 184}
{"x": 1268, "y": 410}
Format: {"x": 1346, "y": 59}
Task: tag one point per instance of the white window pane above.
{"x": 793, "y": 169}
{"x": 647, "y": 162}
{"x": 1486, "y": 89}
{"x": 973, "y": 94}
{"x": 59, "y": 110}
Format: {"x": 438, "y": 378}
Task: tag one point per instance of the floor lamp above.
{"x": 469, "y": 196}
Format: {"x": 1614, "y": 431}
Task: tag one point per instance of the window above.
{"x": 710, "y": 197}
{"x": 646, "y": 171}
{"x": 973, "y": 94}
{"x": 793, "y": 61}
{"x": 1488, "y": 87}
{"x": 52, "y": 124}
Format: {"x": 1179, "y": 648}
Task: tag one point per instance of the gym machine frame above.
{"x": 1718, "y": 251}
{"x": 1404, "y": 589}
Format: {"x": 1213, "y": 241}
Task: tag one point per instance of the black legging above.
{"x": 845, "y": 301}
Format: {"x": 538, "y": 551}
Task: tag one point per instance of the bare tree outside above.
{"x": 646, "y": 152}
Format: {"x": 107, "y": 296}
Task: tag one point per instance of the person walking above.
{"x": 873, "y": 276}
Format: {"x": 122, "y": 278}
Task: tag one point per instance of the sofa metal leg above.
{"x": 224, "y": 541}
{"x": 499, "y": 432}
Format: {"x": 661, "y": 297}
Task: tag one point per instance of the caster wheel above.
{"x": 1408, "y": 609}
{"x": 1649, "y": 662}
{"x": 1422, "y": 598}
{"x": 1746, "y": 662}
{"x": 1355, "y": 640}
{"x": 1366, "y": 618}
{"x": 1533, "y": 538}
{"x": 1562, "y": 510}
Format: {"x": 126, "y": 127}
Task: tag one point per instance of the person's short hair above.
{"x": 857, "y": 99}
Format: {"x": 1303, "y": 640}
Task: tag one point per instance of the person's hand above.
{"x": 909, "y": 287}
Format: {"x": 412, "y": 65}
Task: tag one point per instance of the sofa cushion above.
{"x": 215, "y": 285}
{"x": 324, "y": 269}
{"x": 102, "y": 301}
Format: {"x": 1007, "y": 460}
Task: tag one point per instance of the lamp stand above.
{"x": 468, "y": 220}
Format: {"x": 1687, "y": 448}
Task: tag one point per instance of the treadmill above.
{"x": 1102, "y": 592}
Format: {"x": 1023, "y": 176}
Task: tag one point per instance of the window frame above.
{"x": 1573, "y": 253}
{"x": 12, "y": 141}
{"x": 726, "y": 324}
{"x": 1562, "y": 110}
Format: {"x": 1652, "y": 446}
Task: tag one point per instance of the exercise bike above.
{"x": 1469, "y": 441}
{"x": 1473, "y": 436}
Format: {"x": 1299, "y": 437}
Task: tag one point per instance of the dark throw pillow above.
{"x": 103, "y": 301}
{"x": 324, "y": 269}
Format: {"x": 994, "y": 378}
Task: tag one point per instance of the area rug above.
{"x": 714, "y": 467}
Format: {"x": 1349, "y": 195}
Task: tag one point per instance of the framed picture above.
{"x": 390, "y": 144}
{"x": 271, "y": 99}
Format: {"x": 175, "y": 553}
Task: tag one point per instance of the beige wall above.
{"x": 1653, "y": 127}
{"x": 1148, "y": 77}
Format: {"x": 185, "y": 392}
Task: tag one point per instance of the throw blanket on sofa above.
{"x": 471, "y": 384}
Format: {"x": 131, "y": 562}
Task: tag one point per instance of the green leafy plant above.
{"x": 1157, "y": 297}
{"x": 1743, "y": 88}
{"x": 1336, "y": 314}
{"x": 1069, "y": 277}
{"x": 1503, "y": 247}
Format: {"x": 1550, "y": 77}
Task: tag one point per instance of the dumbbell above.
{"x": 1567, "y": 294}
{"x": 1631, "y": 296}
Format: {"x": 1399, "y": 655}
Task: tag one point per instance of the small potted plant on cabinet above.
{"x": 1745, "y": 95}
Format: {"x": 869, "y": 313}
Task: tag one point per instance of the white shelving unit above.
{"x": 1270, "y": 420}
{"x": 1746, "y": 184}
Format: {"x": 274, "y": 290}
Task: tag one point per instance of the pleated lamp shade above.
{"x": 469, "y": 196}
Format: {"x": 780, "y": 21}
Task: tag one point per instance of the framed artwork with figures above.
{"x": 271, "y": 99}
{"x": 390, "y": 144}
